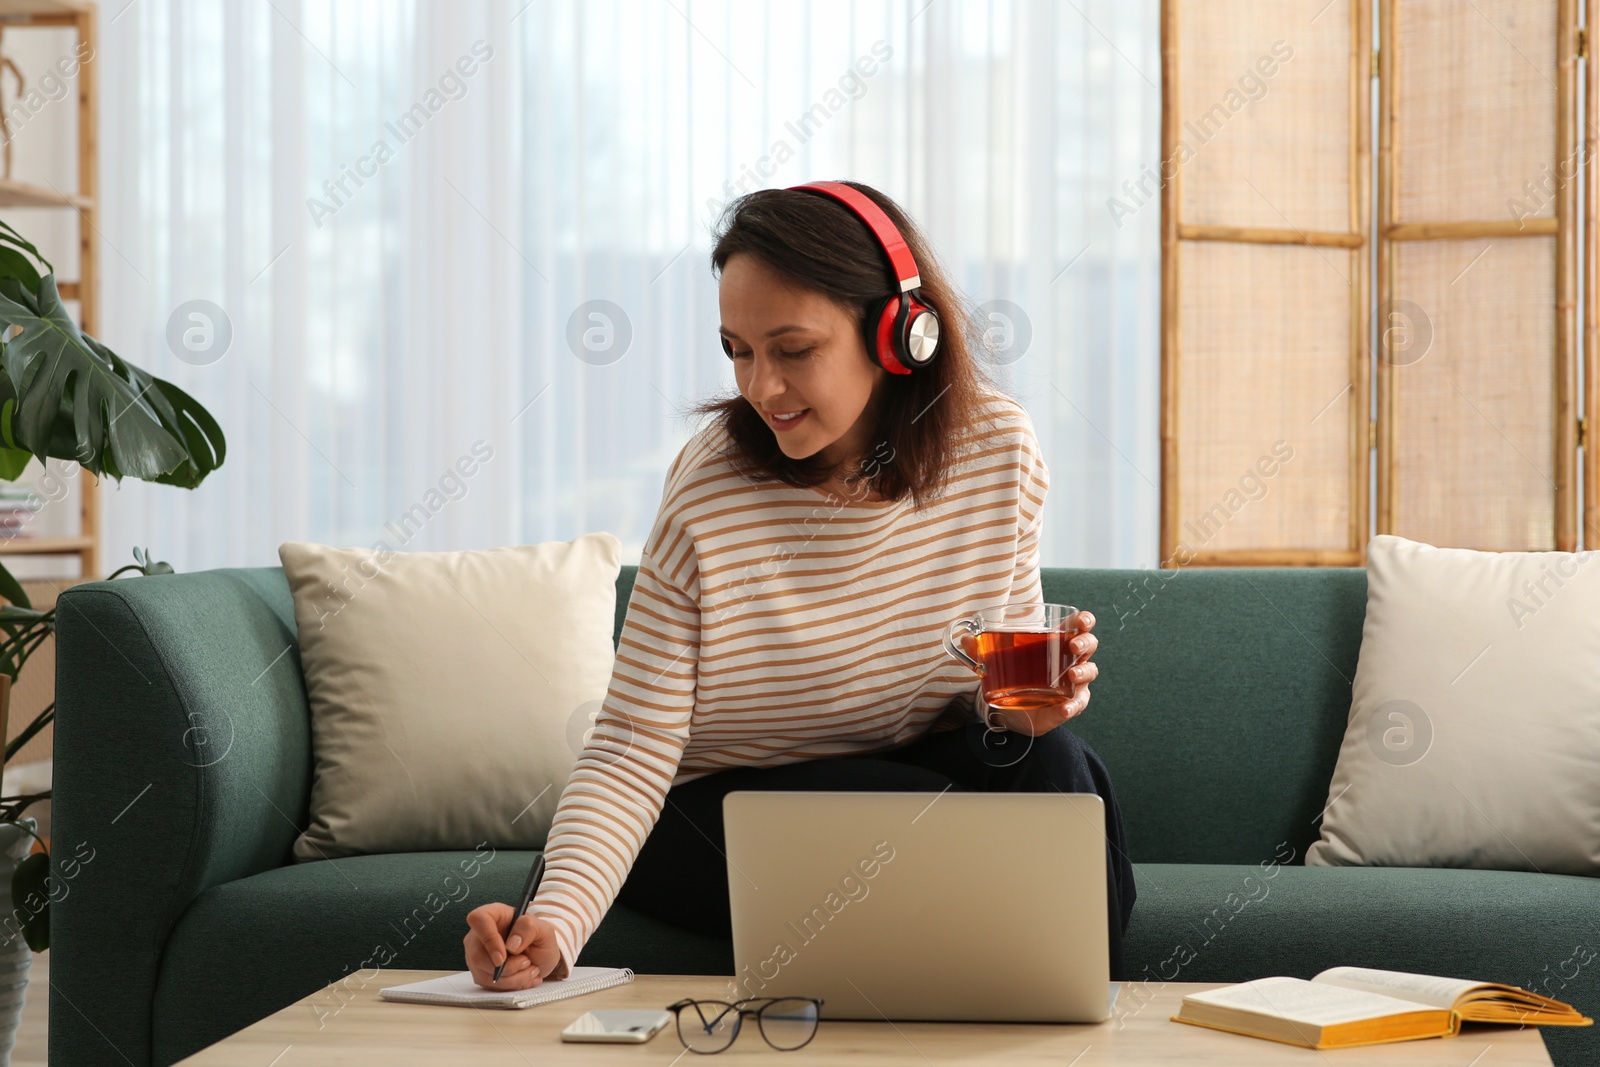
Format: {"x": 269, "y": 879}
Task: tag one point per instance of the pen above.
{"x": 527, "y": 895}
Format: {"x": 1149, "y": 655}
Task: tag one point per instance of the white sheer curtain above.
{"x": 400, "y": 314}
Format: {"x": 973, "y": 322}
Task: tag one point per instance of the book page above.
{"x": 1423, "y": 988}
{"x": 1300, "y": 1001}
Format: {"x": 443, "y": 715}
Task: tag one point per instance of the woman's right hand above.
{"x": 529, "y": 949}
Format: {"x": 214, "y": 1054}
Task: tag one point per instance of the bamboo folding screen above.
{"x": 1591, "y": 292}
{"x": 1266, "y": 154}
{"x": 1275, "y": 329}
{"x": 1477, "y": 443}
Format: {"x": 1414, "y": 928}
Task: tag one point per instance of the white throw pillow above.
{"x": 449, "y": 691}
{"x": 1474, "y": 732}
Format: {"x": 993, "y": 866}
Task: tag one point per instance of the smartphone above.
{"x": 627, "y": 1026}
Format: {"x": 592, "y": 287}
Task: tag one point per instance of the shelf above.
{"x": 43, "y": 546}
{"x": 48, "y": 11}
{"x": 21, "y": 194}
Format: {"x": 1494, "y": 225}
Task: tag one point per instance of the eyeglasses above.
{"x": 787, "y": 1023}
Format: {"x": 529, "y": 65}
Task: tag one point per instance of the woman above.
{"x": 785, "y": 627}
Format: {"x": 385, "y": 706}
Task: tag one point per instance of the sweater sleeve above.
{"x": 619, "y": 783}
{"x": 1034, "y": 479}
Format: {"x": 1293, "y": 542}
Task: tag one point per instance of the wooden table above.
{"x": 366, "y": 1030}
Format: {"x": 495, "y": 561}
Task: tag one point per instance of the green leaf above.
{"x": 9, "y": 236}
{"x": 206, "y": 444}
{"x": 76, "y": 399}
{"x": 14, "y": 264}
{"x": 13, "y": 460}
{"x": 29, "y": 880}
{"x": 11, "y": 589}
{"x": 148, "y": 564}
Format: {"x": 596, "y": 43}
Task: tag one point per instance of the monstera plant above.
{"x": 64, "y": 395}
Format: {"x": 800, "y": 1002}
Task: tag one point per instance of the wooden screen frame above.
{"x": 1563, "y": 226}
{"x": 1174, "y": 229}
{"x": 1591, "y": 290}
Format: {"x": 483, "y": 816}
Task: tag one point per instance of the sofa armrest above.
{"x": 182, "y": 761}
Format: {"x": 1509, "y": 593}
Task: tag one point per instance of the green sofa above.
{"x": 183, "y": 759}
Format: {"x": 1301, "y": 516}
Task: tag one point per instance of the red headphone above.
{"x": 902, "y": 331}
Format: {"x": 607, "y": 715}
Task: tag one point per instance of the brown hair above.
{"x": 821, "y": 245}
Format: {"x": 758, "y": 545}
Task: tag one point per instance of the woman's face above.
{"x": 796, "y": 350}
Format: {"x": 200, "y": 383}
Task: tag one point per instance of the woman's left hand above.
{"x": 1043, "y": 720}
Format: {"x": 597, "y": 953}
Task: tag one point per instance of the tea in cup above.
{"x": 1022, "y": 652}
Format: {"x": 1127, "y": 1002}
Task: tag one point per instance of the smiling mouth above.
{"x": 782, "y": 423}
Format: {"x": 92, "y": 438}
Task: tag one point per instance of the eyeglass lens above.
{"x": 708, "y": 1025}
{"x": 788, "y": 1023}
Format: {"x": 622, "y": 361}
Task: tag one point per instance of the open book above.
{"x": 1346, "y": 1006}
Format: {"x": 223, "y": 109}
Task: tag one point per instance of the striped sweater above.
{"x": 771, "y": 623}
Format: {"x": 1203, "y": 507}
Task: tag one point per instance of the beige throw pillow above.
{"x": 449, "y": 691}
{"x": 1474, "y": 732}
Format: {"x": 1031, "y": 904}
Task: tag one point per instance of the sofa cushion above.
{"x": 1231, "y": 923}
{"x": 1474, "y": 731}
{"x": 249, "y": 947}
{"x": 449, "y": 691}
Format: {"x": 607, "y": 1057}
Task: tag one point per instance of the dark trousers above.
{"x": 681, "y": 873}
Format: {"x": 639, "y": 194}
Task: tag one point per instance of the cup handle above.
{"x": 969, "y": 627}
{"x": 1071, "y": 631}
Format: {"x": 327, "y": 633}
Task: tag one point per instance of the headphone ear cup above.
{"x": 904, "y": 322}
{"x": 874, "y": 328}
{"x": 897, "y": 332}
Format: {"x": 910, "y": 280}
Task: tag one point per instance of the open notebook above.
{"x": 462, "y": 992}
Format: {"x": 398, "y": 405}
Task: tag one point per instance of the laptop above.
{"x": 948, "y": 906}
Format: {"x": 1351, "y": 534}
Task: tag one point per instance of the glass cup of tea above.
{"x": 1021, "y": 651}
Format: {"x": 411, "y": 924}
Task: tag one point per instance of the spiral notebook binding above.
{"x": 592, "y": 984}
